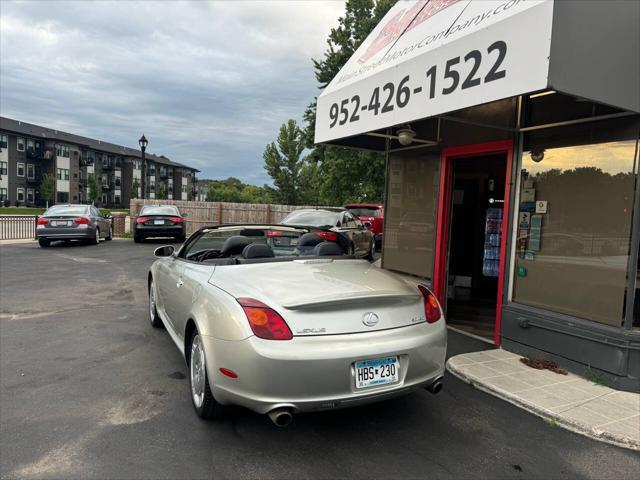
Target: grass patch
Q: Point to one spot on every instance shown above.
(21, 211)
(594, 376)
(551, 422)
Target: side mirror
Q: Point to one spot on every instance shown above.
(165, 251)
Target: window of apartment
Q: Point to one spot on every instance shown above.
(20, 169)
(30, 196)
(3, 194)
(411, 212)
(104, 198)
(30, 171)
(4, 141)
(116, 199)
(62, 150)
(136, 164)
(3, 168)
(21, 146)
(575, 216)
(30, 144)
(20, 194)
(62, 174)
(62, 197)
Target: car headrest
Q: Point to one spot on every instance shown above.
(309, 240)
(234, 245)
(257, 250)
(327, 249)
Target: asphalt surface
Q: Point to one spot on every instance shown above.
(89, 390)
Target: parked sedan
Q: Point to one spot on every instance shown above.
(73, 222)
(264, 326)
(372, 216)
(359, 239)
(159, 221)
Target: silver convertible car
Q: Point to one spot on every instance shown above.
(277, 319)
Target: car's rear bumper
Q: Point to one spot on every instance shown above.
(317, 372)
(160, 231)
(74, 233)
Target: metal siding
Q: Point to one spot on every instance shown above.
(595, 51)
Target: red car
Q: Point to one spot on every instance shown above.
(372, 215)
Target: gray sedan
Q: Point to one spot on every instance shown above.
(73, 222)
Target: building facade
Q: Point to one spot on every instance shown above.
(84, 170)
(512, 185)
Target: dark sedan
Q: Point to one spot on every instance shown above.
(73, 222)
(359, 239)
(159, 221)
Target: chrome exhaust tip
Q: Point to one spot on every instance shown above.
(436, 386)
(281, 417)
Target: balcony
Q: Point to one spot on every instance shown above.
(106, 186)
(35, 153)
(35, 180)
(86, 162)
(107, 166)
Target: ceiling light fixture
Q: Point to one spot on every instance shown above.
(406, 135)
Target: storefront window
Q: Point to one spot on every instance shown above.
(412, 198)
(574, 222)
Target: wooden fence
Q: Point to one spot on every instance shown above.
(200, 214)
(13, 227)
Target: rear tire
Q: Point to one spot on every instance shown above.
(43, 242)
(96, 239)
(204, 404)
(154, 318)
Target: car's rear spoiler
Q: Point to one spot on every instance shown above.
(334, 300)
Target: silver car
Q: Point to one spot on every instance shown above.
(270, 318)
(73, 222)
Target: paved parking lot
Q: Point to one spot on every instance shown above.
(88, 389)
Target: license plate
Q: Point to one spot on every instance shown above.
(381, 371)
(60, 223)
(158, 222)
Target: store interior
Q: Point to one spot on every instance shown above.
(474, 246)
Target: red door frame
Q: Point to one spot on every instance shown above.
(444, 217)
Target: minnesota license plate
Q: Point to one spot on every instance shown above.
(158, 222)
(381, 371)
(61, 223)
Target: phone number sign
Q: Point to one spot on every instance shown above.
(508, 59)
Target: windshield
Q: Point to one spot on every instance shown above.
(315, 218)
(365, 211)
(160, 210)
(273, 242)
(67, 210)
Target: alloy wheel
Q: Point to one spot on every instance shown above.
(197, 371)
(152, 303)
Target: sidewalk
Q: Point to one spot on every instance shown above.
(568, 401)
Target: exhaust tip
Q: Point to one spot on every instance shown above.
(436, 386)
(281, 417)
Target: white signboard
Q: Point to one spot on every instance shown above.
(428, 58)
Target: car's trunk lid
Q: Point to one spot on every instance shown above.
(326, 297)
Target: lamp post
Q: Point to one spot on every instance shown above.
(143, 174)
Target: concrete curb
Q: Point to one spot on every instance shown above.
(17, 241)
(559, 419)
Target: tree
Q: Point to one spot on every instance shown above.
(284, 163)
(134, 188)
(94, 186)
(343, 174)
(47, 187)
(233, 190)
(161, 193)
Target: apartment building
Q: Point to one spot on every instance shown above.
(28, 152)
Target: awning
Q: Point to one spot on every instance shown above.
(430, 57)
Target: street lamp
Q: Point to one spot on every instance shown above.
(143, 146)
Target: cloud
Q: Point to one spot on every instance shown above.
(209, 83)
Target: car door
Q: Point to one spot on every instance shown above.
(365, 236)
(169, 283)
(354, 233)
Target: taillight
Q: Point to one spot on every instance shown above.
(265, 322)
(175, 219)
(42, 221)
(327, 236)
(81, 221)
(274, 233)
(431, 305)
(142, 219)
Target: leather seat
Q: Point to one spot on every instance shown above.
(327, 249)
(307, 242)
(257, 250)
(234, 245)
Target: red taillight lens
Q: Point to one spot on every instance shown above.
(142, 219)
(274, 233)
(81, 221)
(265, 322)
(431, 305)
(328, 236)
(43, 221)
(175, 219)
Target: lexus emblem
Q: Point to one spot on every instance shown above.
(370, 319)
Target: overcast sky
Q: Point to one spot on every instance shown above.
(209, 83)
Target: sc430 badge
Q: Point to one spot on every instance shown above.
(311, 331)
